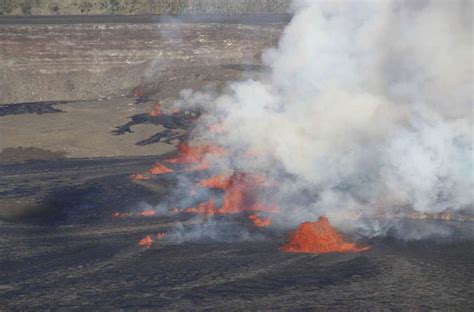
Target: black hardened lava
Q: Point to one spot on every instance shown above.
(78, 190)
(101, 265)
(167, 134)
(182, 120)
(30, 108)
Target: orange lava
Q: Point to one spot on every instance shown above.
(156, 110)
(240, 194)
(220, 182)
(146, 242)
(205, 208)
(159, 168)
(188, 154)
(146, 213)
(139, 176)
(260, 222)
(120, 214)
(318, 237)
(174, 210)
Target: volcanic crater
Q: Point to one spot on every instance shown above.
(88, 186)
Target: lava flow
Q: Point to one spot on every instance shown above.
(258, 221)
(188, 154)
(120, 214)
(240, 194)
(139, 176)
(146, 213)
(159, 168)
(146, 242)
(205, 208)
(318, 237)
(156, 110)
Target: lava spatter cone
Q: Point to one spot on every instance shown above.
(319, 237)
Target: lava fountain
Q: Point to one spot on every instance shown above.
(318, 237)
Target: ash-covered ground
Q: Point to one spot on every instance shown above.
(63, 173)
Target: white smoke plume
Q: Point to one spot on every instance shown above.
(367, 108)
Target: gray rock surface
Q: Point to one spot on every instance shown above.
(68, 7)
(90, 61)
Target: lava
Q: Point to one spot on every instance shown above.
(218, 182)
(159, 168)
(205, 208)
(318, 237)
(258, 221)
(188, 154)
(240, 194)
(146, 242)
(156, 110)
(146, 213)
(120, 214)
(139, 176)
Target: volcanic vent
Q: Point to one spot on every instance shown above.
(318, 237)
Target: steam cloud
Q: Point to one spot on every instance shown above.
(367, 110)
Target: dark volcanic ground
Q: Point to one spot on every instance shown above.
(73, 254)
(101, 266)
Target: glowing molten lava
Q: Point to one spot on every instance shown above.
(139, 176)
(159, 168)
(220, 182)
(240, 194)
(120, 215)
(318, 237)
(146, 242)
(146, 213)
(188, 154)
(156, 110)
(259, 222)
(205, 208)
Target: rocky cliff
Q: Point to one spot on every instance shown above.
(158, 7)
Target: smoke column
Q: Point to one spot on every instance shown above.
(366, 110)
